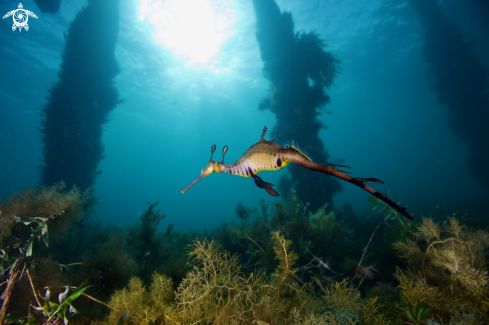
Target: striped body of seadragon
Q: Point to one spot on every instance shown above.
(267, 155)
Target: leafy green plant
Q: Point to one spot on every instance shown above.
(418, 314)
(9, 319)
(51, 310)
(389, 213)
(386, 210)
(17, 266)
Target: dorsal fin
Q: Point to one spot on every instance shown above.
(298, 151)
(282, 136)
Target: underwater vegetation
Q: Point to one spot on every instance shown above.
(461, 80)
(48, 241)
(80, 101)
(446, 269)
(329, 243)
(279, 263)
(450, 286)
(45, 202)
(299, 69)
(25, 219)
(252, 239)
(216, 291)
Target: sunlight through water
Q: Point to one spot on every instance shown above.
(192, 30)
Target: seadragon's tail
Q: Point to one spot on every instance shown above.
(358, 181)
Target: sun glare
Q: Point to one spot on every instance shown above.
(192, 30)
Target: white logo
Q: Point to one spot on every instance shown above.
(20, 17)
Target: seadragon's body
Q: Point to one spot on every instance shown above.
(267, 155)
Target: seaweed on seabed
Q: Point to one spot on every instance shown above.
(146, 242)
(316, 237)
(138, 305)
(447, 270)
(216, 291)
(26, 263)
(343, 305)
(43, 202)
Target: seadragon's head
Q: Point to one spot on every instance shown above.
(212, 166)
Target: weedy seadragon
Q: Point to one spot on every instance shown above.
(267, 155)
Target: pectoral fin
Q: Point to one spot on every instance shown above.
(267, 186)
(271, 191)
(260, 183)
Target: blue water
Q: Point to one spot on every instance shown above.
(383, 120)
